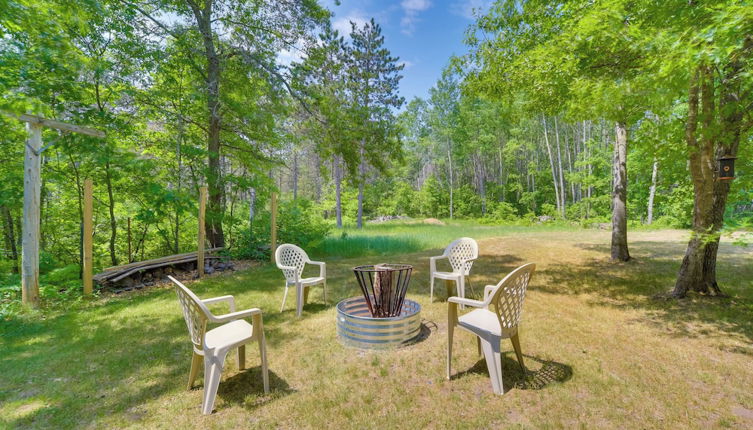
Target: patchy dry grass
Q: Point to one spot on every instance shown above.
(601, 352)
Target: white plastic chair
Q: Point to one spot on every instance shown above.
(492, 325)
(461, 253)
(212, 346)
(291, 260)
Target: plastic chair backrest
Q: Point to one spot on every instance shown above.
(459, 251)
(291, 256)
(509, 295)
(194, 312)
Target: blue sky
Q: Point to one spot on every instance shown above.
(422, 33)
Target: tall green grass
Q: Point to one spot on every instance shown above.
(404, 237)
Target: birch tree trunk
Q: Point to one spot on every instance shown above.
(652, 192)
(563, 192)
(551, 164)
(619, 194)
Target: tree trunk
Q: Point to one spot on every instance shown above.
(295, 175)
(452, 185)
(718, 137)
(213, 222)
(652, 192)
(563, 190)
(361, 182)
(619, 194)
(251, 208)
(10, 235)
(111, 208)
(551, 165)
(338, 193)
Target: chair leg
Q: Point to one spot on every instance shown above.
(478, 345)
(306, 294)
(493, 363)
(195, 365)
(212, 375)
(264, 367)
(516, 345)
(299, 299)
(450, 336)
(431, 288)
(241, 357)
(461, 289)
(285, 296)
(325, 291)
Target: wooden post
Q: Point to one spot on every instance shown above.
(30, 232)
(88, 233)
(130, 254)
(202, 231)
(273, 225)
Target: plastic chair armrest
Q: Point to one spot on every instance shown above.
(229, 299)
(433, 263)
(235, 315)
(488, 290)
(322, 267)
(467, 302)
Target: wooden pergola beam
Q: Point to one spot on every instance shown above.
(51, 123)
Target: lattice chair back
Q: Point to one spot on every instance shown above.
(291, 256)
(459, 251)
(194, 312)
(509, 295)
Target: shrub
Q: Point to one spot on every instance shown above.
(63, 275)
(500, 212)
(298, 222)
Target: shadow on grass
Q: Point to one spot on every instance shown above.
(246, 388)
(549, 372)
(427, 328)
(642, 282)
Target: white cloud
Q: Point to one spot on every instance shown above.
(466, 8)
(342, 25)
(407, 64)
(411, 10)
(292, 53)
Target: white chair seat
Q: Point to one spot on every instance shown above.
(233, 333)
(309, 281)
(447, 275)
(491, 326)
(481, 321)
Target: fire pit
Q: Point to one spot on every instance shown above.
(383, 317)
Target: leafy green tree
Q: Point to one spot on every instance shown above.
(374, 76)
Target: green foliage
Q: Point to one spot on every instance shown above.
(502, 212)
(298, 222)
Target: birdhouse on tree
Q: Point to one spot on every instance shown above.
(727, 168)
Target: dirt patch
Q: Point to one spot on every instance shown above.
(433, 221)
(743, 412)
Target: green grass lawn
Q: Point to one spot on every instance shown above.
(601, 352)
